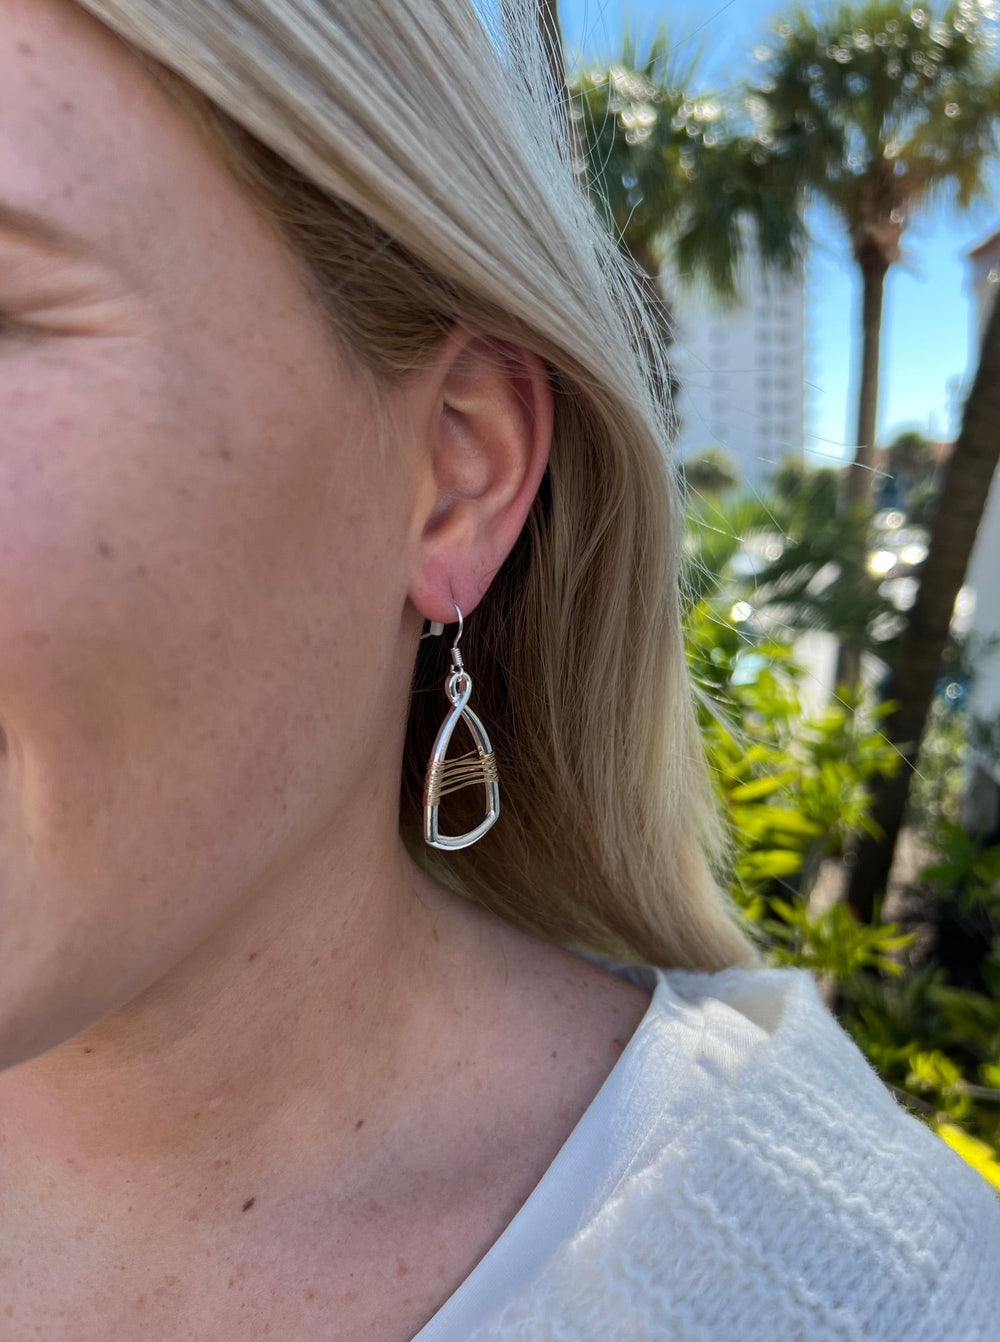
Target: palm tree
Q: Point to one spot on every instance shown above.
(820, 579)
(877, 108)
(673, 183)
(712, 472)
(966, 483)
(671, 177)
(810, 568)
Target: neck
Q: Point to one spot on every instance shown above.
(257, 1060)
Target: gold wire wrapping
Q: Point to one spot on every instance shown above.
(446, 776)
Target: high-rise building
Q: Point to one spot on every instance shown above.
(741, 370)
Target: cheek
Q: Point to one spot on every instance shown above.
(186, 556)
(109, 510)
(51, 531)
(153, 503)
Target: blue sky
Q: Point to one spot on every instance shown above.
(928, 326)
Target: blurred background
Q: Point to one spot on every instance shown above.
(808, 197)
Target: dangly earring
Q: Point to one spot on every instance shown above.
(476, 766)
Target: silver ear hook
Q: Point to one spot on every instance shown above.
(438, 628)
(459, 674)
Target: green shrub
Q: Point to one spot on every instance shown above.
(794, 788)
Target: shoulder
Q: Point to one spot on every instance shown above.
(805, 1139)
(774, 1188)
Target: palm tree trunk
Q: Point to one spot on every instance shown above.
(848, 672)
(549, 27)
(966, 484)
(857, 490)
(858, 481)
(550, 37)
(551, 33)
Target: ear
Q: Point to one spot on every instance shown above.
(486, 419)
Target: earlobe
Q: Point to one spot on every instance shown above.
(488, 439)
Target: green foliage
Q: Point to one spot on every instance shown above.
(965, 870)
(936, 1044)
(821, 578)
(715, 539)
(803, 492)
(812, 570)
(710, 472)
(795, 786)
(834, 942)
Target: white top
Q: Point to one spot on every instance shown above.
(743, 1175)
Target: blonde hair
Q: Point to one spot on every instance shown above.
(415, 156)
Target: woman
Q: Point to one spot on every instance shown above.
(308, 339)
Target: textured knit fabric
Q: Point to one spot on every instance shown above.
(742, 1176)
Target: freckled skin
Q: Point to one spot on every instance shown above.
(167, 530)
